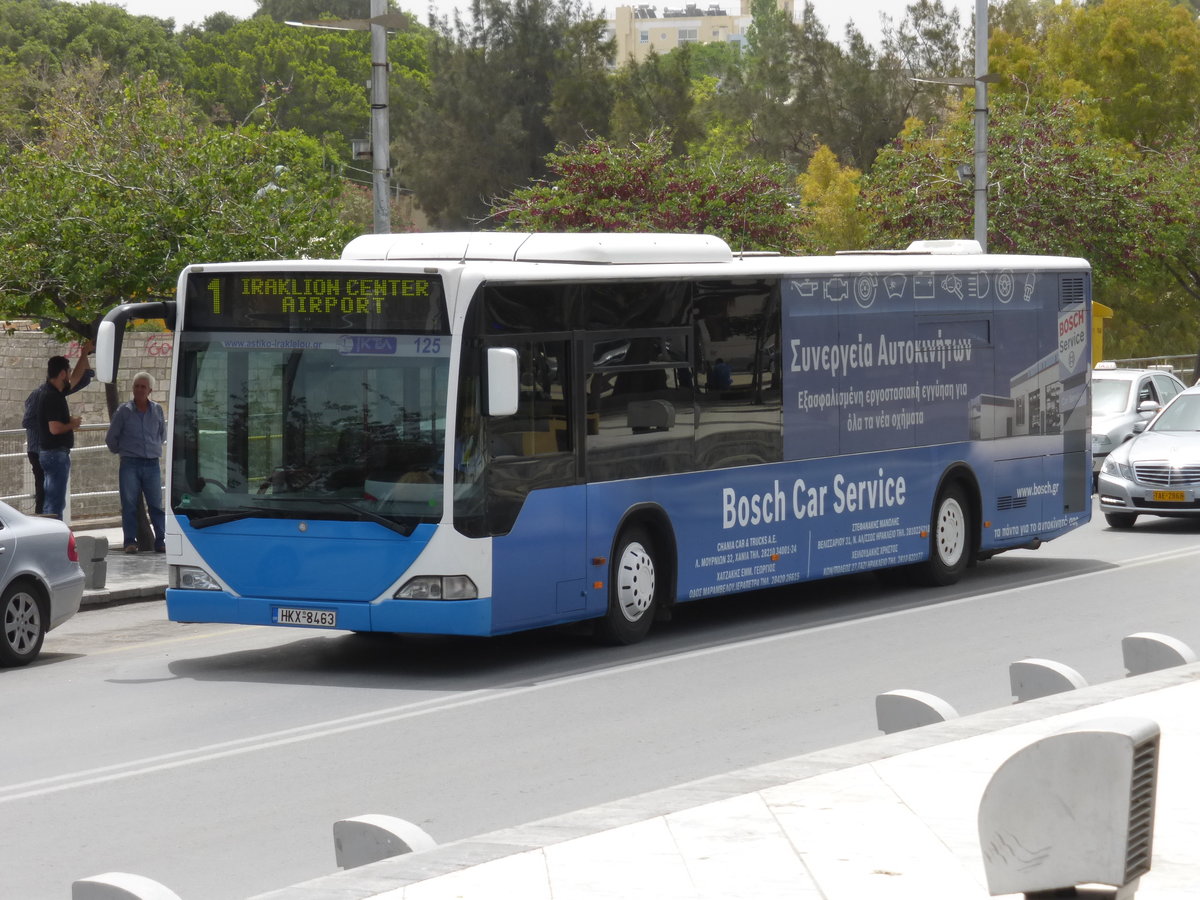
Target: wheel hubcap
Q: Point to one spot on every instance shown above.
(22, 623)
(951, 532)
(635, 582)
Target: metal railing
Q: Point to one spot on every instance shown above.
(94, 495)
(1181, 366)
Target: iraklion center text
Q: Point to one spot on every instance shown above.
(804, 501)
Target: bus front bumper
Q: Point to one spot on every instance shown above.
(465, 617)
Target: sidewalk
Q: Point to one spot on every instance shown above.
(130, 576)
(890, 818)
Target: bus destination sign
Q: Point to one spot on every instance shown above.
(315, 302)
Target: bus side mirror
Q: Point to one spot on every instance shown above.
(108, 340)
(504, 381)
(111, 333)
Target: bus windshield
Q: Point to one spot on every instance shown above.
(310, 425)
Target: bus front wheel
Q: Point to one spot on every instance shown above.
(949, 538)
(632, 589)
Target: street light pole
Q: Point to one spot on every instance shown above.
(380, 148)
(981, 127)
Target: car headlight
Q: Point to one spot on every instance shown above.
(1117, 469)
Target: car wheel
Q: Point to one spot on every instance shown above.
(632, 589)
(22, 625)
(1120, 520)
(949, 539)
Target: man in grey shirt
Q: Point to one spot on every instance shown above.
(137, 433)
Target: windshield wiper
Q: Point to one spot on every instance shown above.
(208, 518)
(199, 519)
(398, 527)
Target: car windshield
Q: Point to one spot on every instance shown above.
(1183, 414)
(1110, 396)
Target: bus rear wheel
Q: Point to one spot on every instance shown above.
(949, 539)
(632, 589)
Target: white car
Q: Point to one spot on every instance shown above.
(41, 583)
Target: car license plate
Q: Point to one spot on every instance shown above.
(316, 618)
(1170, 496)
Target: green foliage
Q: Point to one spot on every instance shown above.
(798, 90)
(45, 35)
(314, 10)
(1057, 187)
(642, 187)
(657, 94)
(125, 185)
(1139, 58)
(830, 194)
(490, 114)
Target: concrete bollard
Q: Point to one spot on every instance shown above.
(1148, 652)
(1033, 678)
(370, 838)
(904, 709)
(120, 886)
(92, 552)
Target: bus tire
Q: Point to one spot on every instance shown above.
(1120, 520)
(949, 538)
(633, 589)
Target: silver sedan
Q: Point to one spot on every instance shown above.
(41, 583)
(1158, 472)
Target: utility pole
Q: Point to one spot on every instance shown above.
(378, 23)
(981, 123)
(381, 169)
(978, 173)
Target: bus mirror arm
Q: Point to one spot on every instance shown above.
(503, 381)
(111, 333)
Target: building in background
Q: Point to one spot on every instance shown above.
(640, 29)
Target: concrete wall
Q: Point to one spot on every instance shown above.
(93, 471)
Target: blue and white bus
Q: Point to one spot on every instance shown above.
(479, 433)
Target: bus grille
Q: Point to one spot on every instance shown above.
(1010, 502)
(1168, 476)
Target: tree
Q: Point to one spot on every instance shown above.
(309, 78)
(1057, 187)
(1139, 58)
(798, 90)
(487, 119)
(657, 94)
(599, 186)
(125, 185)
(830, 194)
(312, 10)
(46, 35)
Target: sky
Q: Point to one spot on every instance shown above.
(833, 13)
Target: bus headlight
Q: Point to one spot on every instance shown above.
(191, 578)
(438, 587)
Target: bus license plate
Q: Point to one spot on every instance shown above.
(1170, 496)
(316, 618)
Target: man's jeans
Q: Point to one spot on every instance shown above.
(56, 467)
(141, 476)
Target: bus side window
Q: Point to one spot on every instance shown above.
(541, 424)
